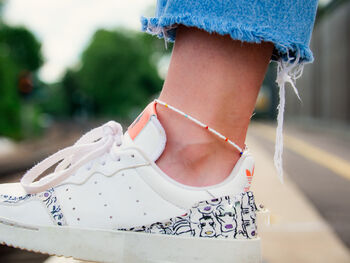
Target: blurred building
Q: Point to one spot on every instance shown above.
(324, 86)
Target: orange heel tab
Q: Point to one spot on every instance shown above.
(140, 122)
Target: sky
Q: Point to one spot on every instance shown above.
(65, 27)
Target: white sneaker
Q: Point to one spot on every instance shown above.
(108, 201)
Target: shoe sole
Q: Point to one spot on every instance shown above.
(123, 246)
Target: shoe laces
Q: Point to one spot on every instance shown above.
(93, 144)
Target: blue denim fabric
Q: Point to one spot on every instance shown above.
(286, 23)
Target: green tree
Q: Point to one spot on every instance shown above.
(9, 99)
(19, 57)
(21, 46)
(118, 73)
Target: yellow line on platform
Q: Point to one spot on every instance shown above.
(334, 163)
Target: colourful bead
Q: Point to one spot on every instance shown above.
(206, 127)
(226, 139)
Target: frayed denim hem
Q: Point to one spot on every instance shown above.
(165, 27)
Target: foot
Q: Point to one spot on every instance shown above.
(107, 190)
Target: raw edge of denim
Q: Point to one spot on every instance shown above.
(166, 26)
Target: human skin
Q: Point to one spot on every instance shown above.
(216, 80)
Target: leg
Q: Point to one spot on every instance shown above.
(216, 80)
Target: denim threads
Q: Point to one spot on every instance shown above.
(288, 24)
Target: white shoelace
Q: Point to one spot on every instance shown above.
(93, 144)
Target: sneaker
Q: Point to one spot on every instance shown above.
(108, 201)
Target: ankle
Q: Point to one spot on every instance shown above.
(197, 164)
(192, 155)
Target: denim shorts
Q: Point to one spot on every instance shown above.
(287, 24)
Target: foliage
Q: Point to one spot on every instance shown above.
(118, 74)
(19, 57)
(21, 46)
(9, 99)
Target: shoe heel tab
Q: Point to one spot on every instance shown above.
(141, 121)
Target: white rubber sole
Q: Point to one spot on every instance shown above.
(122, 246)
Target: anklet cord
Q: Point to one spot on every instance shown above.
(200, 124)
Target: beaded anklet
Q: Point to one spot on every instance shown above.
(202, 125)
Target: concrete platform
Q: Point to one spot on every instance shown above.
(297, 232)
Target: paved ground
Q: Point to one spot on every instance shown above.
(310, 213)
(319, 164)
(298, 232)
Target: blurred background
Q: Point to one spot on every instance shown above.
(67, 66)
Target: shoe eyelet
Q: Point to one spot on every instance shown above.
(133, 156)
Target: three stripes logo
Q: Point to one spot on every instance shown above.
(249, 178)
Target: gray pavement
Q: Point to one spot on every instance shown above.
(328, 191)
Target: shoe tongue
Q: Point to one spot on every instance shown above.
(147, 133)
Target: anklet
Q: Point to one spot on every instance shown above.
(202, 125)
